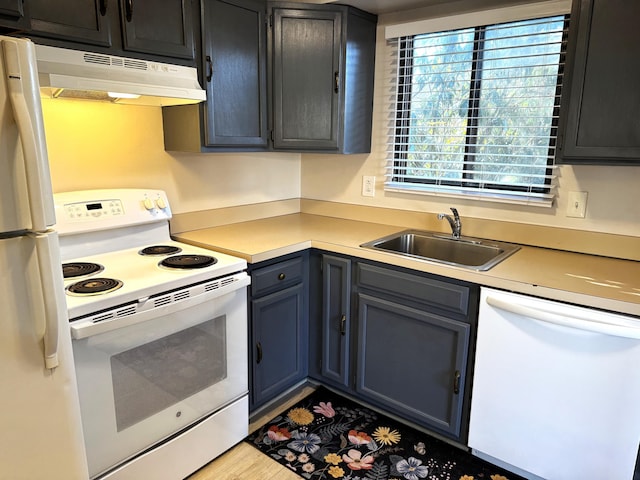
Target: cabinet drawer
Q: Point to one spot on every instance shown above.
(276, 276)
(444, 295)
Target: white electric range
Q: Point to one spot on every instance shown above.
(159, 334)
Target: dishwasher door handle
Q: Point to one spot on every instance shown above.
(565, 320)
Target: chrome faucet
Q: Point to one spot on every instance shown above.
(454, 221)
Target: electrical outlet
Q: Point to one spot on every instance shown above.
(368, 186)
(577, 204)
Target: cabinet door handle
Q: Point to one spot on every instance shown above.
(103, 7)
(281, 276)
(456, 382)
(129, 10)
(258, 352)
(343, 325)
(209, 68)
(336, 77)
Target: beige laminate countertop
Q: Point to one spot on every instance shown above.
(589, 280)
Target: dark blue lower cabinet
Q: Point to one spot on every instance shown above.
(394, 338)
(336, 320)
(278, 328)
(412, 362)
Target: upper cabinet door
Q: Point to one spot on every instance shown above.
(322, 72)
(84, 21)
(158, 27)
(12, 15)
(306, 78)
(600, 116)
(235, 65)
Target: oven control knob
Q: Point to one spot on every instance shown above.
(160, 203)
(148, 204)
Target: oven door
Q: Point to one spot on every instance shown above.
(143, 379)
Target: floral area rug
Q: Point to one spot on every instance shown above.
(327, 437)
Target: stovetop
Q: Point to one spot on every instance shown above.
(110, 228)
(142, 276)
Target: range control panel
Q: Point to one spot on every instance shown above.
(91, 210)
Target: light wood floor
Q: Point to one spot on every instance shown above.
(244, 462)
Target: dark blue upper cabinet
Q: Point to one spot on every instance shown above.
(235, 67)
(87, 22)
(13, 16)
(161, 30)
(322, 77)
(158, 27)
(599, 115)
(280, 76)
(306, 65)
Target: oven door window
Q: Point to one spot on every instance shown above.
(152, 377)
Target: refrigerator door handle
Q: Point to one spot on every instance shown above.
(31, 131)
(52, 288)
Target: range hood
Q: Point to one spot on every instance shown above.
(65, 73)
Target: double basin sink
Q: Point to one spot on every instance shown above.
(465, 252)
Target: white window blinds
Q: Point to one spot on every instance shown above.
(474, 111)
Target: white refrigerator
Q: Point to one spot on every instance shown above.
(40, 429)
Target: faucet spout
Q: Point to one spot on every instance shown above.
(454, 222)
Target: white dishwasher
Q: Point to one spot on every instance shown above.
(556, 389)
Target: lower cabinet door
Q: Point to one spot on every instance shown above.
(279, 351)
(336, 319)
(412, 362)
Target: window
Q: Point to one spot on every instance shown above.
(476, 109)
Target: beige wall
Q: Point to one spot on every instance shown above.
(99, 145)
(613, 204)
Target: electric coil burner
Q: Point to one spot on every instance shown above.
(157, 250)
(94, 286)
(187, 262)
(80, 269)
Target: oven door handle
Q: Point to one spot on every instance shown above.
(86, 328)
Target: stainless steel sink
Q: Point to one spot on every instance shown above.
(465, 252)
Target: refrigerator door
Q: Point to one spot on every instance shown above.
(39, 408)
(25, 183)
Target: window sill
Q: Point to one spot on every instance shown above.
(484, 196)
